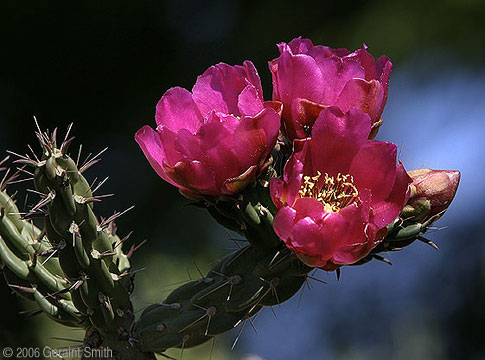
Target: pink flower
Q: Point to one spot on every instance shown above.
(308, 78)
(215, 140)
(438, 187)
(339, 191)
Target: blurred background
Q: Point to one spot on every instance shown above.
(104, 64)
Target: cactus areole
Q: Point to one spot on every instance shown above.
(296, 176)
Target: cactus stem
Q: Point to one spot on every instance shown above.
(202, 317)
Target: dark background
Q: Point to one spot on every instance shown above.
(103, 65)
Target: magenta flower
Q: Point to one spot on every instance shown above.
(215, 140)
(308, 78)
(339, 191)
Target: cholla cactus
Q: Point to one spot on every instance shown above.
(325, 197)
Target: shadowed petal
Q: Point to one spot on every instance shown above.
(365, 95)
(193, 175)
(374, 168)
(149, 142)
(283, 222)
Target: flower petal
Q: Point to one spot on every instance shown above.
(149, 142)
(168, 141)
(304, 113)
(374, 168)
(318, 239)
(278, 192)
(193, 175)
(218, 89)
(365, 95)
(283, 222)
(336, 73)
(177, 110)
(299, 77)
(309, 207)
(249, 102)
(237, 184)
(253, 77)
(336, 138)
(387, 210)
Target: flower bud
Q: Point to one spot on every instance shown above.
(431, 192)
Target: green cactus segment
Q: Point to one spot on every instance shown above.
(27, 267)
(235, 289)
(87, 255)
(75, 269)
(251, 215)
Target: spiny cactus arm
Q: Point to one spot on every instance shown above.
(26, 265)
(75, 268)
(84, 246)
(89, 250)
(263, 273)
(235, 289)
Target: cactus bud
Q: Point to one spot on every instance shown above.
(431, 192)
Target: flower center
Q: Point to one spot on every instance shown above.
(334, 192)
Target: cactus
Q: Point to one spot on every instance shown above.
(75, 270)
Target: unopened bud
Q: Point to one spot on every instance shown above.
(417, 209)
(432, 191)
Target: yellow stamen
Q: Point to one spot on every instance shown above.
(333, 192)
